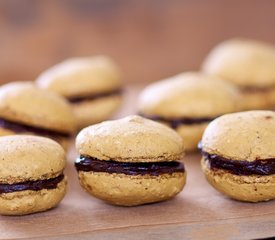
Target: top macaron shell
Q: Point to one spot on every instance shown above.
(243, 62)
(24, 103)
(131, 139)
(81, 76)
(242, 136)
(28, 158)
(189, 94)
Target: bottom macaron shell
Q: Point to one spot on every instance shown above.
(94, 111)
(6, 132)
(191, 134)
(272, 98)
(26, 202)
(128, 190)
(243, 188)
(63, 141)
(257, 100)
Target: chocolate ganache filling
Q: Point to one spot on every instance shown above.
(176, 122)
(31, 185)
(77, 99)
(88, 164)
(23, 128)
(255, 89)
(240, 167)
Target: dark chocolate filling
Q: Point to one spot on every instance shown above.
(253, 89)
(77, 99)
(23, 128)
(88, 164)
(176, 122)
(240, 167)
(31, 185)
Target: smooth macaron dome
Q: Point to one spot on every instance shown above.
(91, 84)
(130, 161)
(188, 102)
(31, 174)
(239, 155)
(26, 109)
(249, 64)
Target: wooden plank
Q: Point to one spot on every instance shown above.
(199, 212)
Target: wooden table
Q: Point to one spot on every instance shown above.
(198, 212)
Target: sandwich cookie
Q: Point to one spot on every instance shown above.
(25, 109)
(249, 65)
(131, 161)
(188, 102)
(92, 85)
(31, 174)
(239, 155)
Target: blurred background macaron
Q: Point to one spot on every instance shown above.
(249, 64)
(26, 109)
(31, 174)
(188, 102)
(91, 84)
(131, 161)
(239, 155)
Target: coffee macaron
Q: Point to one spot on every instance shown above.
(131, 161)
(188, 102)
(239, 155)
(26, 109)
(249, 64)
(91, 84)
(31, 174)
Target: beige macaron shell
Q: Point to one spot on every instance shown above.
(271, 97)
(7, 132)
(191, 134)
(257, 99)
(252, 188)
(94, 111)
(127, 190)
(243, 62)
(81, 76)
(63, 141)
(24, 103)
(26, 202)
(27, 158)
(189, 94)
(242, 136)
(130, 139)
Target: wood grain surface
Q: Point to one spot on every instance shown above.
(198, 212)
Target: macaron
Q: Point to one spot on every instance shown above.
(91, 84)
(239, 155)
(26, 109)
(31, 174)
(131, 161)
(188, 102)
(249, 64)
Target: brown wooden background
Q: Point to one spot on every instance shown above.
(150, 39)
